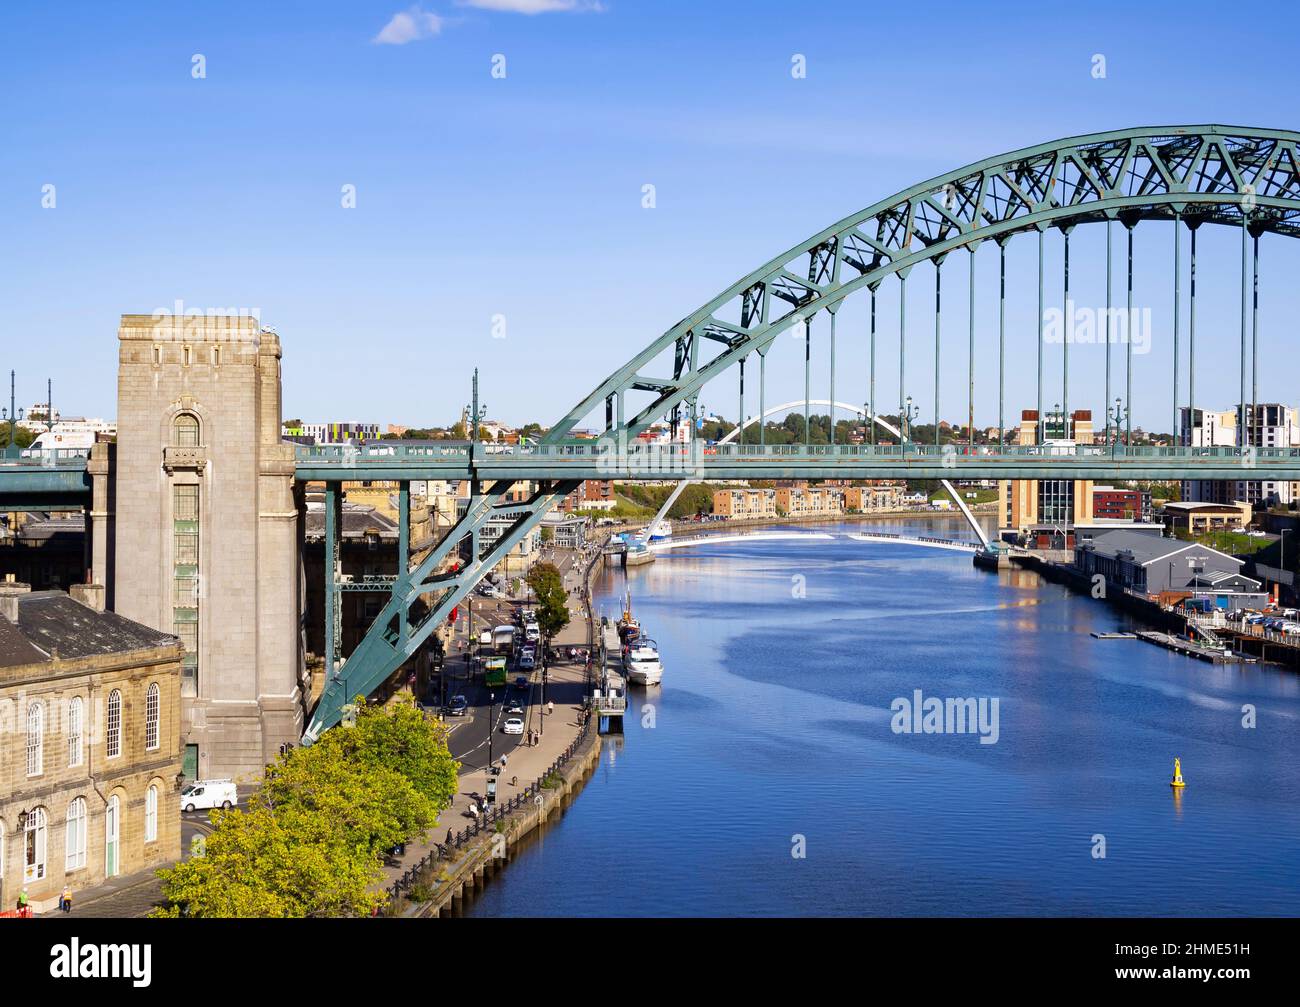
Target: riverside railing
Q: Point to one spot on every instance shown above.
(487, 821)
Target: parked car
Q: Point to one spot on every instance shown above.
(458, 706)
(513, 726)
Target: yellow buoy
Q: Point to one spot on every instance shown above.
(1177, 781)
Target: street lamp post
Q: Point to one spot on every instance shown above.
(475, 411)
(1117, 414)
(910, 413)
(12, 414)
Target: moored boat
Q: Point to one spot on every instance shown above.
(641, 662)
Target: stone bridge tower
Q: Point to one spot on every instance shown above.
(206, 529)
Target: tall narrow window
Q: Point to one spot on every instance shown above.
(151, 717)
(185, 503)
(186, 431)
(75, 835)
(76, 714)
(113, 731)
(185, 576)
(151, 814)
(111, 826)
(35, 739)
(34, 845)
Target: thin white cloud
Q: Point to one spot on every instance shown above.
(409, 26)
(535, 6)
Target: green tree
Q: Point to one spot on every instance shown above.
(22, 436)
(552, 599)
(312, 840)
(260, 864)
(401, 738)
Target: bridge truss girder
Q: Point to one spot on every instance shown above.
(407, 620)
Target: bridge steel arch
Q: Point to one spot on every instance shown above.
(1236, 176)
(1201, 174)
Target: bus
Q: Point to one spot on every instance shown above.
(494, 672)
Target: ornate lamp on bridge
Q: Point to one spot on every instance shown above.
(11, 414)
(475, 412)
(1117, 413)
(910, 413)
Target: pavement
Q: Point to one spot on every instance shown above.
(525, 762)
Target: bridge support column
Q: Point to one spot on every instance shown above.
(333, 530)
(403, 547)
(99, 520)
(872, 407)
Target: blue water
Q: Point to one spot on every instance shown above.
(774, 722)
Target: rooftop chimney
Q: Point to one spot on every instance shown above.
(10, 591)
(90, 595)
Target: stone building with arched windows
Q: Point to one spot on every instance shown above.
(90, 753)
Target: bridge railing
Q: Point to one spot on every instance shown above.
(686, 453)
(49, 457)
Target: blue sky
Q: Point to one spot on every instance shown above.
(522, 196)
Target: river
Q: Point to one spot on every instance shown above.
(771, 736)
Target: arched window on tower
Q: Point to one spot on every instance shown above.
(185, 431)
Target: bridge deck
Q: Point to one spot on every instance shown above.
(44, 480)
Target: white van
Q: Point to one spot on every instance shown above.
(209, 794)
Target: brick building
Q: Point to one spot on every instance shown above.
(743, 502)
(593, 494)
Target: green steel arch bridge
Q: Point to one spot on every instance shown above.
(1235, 177)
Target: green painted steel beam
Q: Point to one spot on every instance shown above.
(385, 647)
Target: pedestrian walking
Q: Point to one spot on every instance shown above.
(22, 900)
(65, 900)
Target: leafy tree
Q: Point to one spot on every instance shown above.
(552, 599)
(336, 788)
(258, 864)
(22, 436)
(401, 738)
(311, 842)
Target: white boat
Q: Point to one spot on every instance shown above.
(662, 532)
(642, 662)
